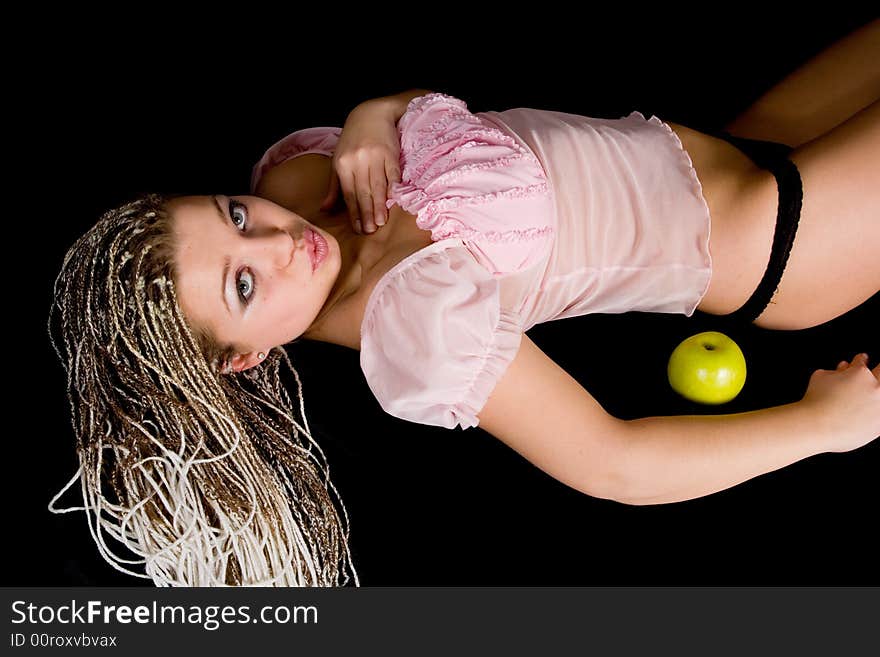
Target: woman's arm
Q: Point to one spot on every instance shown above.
(544, 414)
(681, 457)
(396, 104)
(366, 159)
(821, 94)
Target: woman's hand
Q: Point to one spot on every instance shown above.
(847, 400)
(365, 163)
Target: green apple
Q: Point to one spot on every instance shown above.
(708, 368)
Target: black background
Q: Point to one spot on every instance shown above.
(104, 116)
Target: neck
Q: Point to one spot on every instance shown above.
(358, 254)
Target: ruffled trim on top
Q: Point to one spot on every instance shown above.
(439, 154)
(489, 370)
(320, 140)
(430, 211)
(419, 104)
(461, 124)
(456, 228)
(458, 172)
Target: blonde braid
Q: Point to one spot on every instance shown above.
(208, 477)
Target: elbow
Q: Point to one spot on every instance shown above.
(614, 480)
(615, 490)
(613, 493)
(609, 483)
(593, 464)
(619, 493)
(635, 476)
(634, 501)
(626, 490)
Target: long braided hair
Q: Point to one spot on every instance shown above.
(205, 476)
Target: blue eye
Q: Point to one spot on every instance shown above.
(245, 285)
(244, 282)
(238, 218)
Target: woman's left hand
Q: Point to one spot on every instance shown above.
(365, 163)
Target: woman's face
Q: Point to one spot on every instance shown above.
(245, 270)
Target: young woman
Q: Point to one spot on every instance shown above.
(171, 308)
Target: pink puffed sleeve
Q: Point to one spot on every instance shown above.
(321, 140)
(435, 339)
(463, 176)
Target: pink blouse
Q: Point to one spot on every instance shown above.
(534, 215)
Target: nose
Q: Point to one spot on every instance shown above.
(280, 246)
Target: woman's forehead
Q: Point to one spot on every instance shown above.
(190, 203)
(191, 213)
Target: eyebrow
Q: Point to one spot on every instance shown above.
(226, 260)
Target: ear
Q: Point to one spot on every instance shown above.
(241, 362)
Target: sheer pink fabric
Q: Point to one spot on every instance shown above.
(535, 215)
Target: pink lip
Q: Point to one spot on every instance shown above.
(314, 240)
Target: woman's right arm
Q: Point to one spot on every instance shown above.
(544, 414)
(366, 160)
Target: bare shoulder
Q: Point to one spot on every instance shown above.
(299, 184)
(542, 412)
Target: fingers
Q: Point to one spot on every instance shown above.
(378, 185)
(371, 192)
(365, 203)
(392, 172)
(346, 181)
(359, 199)
(862, 359)
(365, 193)
(858, 359)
